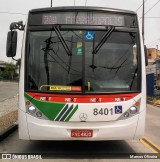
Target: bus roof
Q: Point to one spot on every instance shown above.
(82, 8)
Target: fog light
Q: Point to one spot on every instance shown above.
(126, 114)
(133, 110)
(32, 109)
(39, 114)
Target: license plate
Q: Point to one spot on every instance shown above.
(81, 133)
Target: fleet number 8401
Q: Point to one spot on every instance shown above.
(102, 111)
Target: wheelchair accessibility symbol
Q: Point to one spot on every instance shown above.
(118, 109)
(89, 35)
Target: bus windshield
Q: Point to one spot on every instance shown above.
(112, 68)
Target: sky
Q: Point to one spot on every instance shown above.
(8, 8)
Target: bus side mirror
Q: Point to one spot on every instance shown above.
(146, 55)
(11, 44)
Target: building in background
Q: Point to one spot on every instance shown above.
(153, 53)
(153, 70)
(9, 71)
(2, 65)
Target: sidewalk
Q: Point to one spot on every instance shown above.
(8, 90)
(8, 113)
(153, 101)
(8, 105)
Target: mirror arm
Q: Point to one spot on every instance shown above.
(17, 25)
(14, 59)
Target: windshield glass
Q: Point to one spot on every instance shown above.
(113, 68)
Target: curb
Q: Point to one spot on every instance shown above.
(150, 102)
(153, 104)
(8, 131)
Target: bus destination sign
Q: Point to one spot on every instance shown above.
(83, 19)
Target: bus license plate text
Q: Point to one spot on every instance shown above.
(81, 133)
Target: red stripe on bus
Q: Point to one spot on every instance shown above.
(82, 98)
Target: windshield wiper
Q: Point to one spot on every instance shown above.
(46, 52)
(100, 44)
(93, 66)
(58, 32)
(103, 40)
(70, 58)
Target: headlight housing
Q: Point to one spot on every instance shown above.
(34, 111)
(31, 109)
(133, 110)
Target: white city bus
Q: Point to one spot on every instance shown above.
(82, 74)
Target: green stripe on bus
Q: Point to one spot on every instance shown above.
(72, 113)
(49, 109)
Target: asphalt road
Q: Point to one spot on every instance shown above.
(87, 150)
(152, 130)
(73, 149)
(8, 90)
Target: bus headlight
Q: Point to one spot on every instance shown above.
(130, 112)
(39, 114)
(133, 110)
(126, 114)
(32, 109)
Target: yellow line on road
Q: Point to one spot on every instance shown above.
(150, 145)
(155, 145)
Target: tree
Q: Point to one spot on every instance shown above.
(1, 73)
(10, 71)
(18, 64)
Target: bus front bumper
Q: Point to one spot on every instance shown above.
(31, 128)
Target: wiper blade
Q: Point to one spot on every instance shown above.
(46, 52)
(58, 32)
(105, 37)
(70, 58)
(99, 45)
(93, 65)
